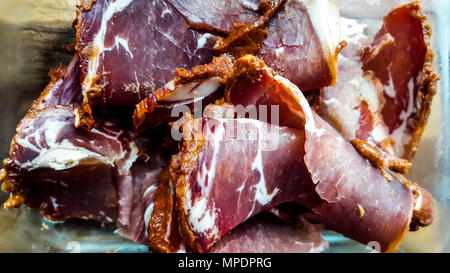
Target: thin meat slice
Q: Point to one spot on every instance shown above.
(401, 57)
(215, 193)
(299, 39)
(375, 209)
(145, 172)
(122, 62)
(52, 162)
(163, 222)
(264, 234)
(128, 49)
(384, 89)
(360, 200)
(353, 105)
(67, 172)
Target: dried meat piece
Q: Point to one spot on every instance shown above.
(128, 49)
(405, 68)
(215, 193)
(346, 182)
(52, 162)
(49, 158)
(172, 101)
(64, 87)
(303, 43)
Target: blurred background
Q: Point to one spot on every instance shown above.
(33, 33)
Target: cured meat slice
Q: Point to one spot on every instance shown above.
(303, 43)
(190, 91)
(52, 165)
(375, 209)
(263, 234)
(48, 148)
(384, 90)
(302, 36)
(346, 182)
(128, 49)
(118, 68)
(404, 67)
(215, 194)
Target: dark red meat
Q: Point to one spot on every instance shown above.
(128, 49)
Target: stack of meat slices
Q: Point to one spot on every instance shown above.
(256, 125)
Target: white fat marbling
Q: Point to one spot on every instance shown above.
(201, 219)
(65, 156)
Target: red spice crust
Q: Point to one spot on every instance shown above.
(248, 38)
(162, 214)
(428, 87)
(193, 144)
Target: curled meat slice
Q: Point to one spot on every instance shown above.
(353, 105)
(50, 158)
(378, 205)
(384, 90)
(52, 163)
(401, 57)
(120, 69)
(263, 233)
(215, 193)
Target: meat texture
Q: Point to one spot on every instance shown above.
(47, 143)
(405, 69)
(215, 194)
(52, 163)
(344, 189)
(264, 233)
(122, 63)
(352, 105)
(209, 15)
(171, 101)
(62, 80)
(129, 48)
